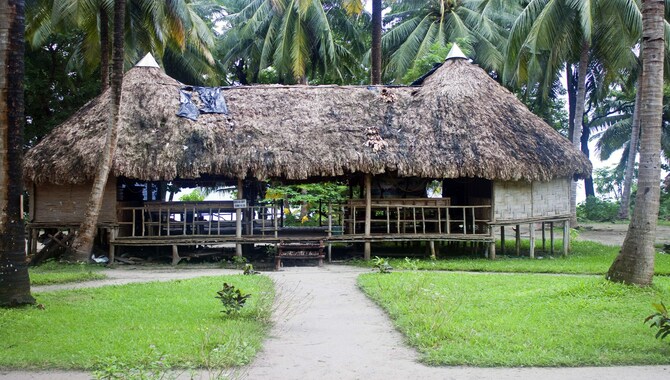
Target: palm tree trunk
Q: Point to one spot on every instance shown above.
(376, 48)
(14, 280)
(104, 49)
(632, 153)
(589, 190)
(635, 262)
(576, 137)
(83, 243)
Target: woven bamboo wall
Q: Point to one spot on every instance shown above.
(66, 204)
(519, 200)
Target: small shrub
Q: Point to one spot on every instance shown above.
(231, 298)
(597, 210)
(239, 261)
(381, 265)
(660, 319)
(411, 264)
(249, 270)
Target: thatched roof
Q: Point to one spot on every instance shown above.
(458, 123)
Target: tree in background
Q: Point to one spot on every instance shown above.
(301, 40)
(635, 262)
(14, 280)
(83, 242)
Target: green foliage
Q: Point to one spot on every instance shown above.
(249, 270)
(660, 319)
(519, 320)
(411, 264)
(381, 265)
(308, 197)
(609, 182)
(152, 365)
(232, 298)
(435, 54)
(196, 195)
(597, 210)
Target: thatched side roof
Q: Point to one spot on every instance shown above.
(459, 123)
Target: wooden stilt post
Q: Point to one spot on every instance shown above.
(518, 240)
(175, 255)
(502, 239)
(492, 244)
(544, 239)
(551, 237)
(330, 231)
(368, 215)
(531, 252)
(433, 255)
(566, 237)
(238, 218)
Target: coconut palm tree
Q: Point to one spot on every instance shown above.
(296, 37)
(635, 262)
(480, 26)
(550, 35)
(14, 280)
(170, 29)
(83, 242)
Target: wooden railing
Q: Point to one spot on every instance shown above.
(196, 218)
(219, 218)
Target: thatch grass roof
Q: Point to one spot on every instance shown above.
(458, 123)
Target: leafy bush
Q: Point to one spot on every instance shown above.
(231, 298)
(249, 270)
(597, 210)
(194, 196)
(660, 319)
(382, 265)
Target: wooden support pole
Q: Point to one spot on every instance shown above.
(551, 237)
(238, 218)
(518, 240)
(502, 239)
(368, 214)
(175, 255)
(566, 237)
(492, 244)
(330, 231)
(531, 252)
(544, 239)
(433, 255)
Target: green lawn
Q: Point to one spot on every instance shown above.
(180, 320)
(482, 319)
(55, 273)
(585, 258)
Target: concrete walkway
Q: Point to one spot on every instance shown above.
(325, 328)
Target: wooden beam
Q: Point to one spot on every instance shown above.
(502, 239)
(238, 218)
(531, 252)
(368, 214)
(566, 237)
(518, 240)
(544, 239)
(551, 237)
(175, 255)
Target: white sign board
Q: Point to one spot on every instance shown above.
(240, 203)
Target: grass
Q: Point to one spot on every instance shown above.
(586, 257)
(180, 320)
(52, 273)
(479, 319)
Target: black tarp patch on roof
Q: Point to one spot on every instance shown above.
(210, 100)
(186, 107)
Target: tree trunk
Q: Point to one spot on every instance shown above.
(83, 243)
(14, 280)
(632, 153)
(376, 49)
(588, 182)
(578, 121)
(635, 262)
(572, 95)
(104, 49)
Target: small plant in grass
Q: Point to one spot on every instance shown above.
(381, 265)
(411, 264)
(239, 261)
(155, 365)
(231, 298)
(660, 319)
(249, 270)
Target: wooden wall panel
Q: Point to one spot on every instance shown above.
(66, 204)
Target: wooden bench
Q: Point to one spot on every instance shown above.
(299, 250)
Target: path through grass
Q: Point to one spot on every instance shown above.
(181, 320)
(52, 273)
(482, 319)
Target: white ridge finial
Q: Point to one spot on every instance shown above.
(147, 61)
(455, 53)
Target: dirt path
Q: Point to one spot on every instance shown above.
(613, 234)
